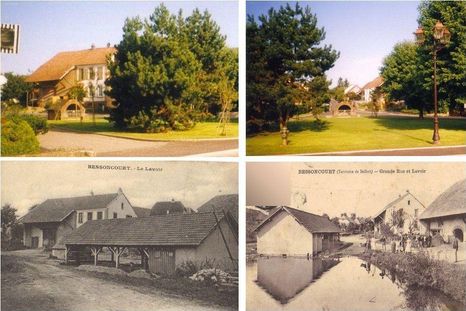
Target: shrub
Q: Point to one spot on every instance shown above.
(18, 138)
(38, 124)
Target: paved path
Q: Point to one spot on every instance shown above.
(105, 146)
(423, 151)
(44, 285)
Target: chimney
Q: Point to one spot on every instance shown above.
(120, 191)
(92, 46)
(173, 200)
(92, 192)
(108, 44)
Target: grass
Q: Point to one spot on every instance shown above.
(351, 134)
(202, 130)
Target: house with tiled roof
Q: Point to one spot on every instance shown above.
(369, 87)
(446, 215)
(166, 241)
(169, 207)
(53, 80)
(47, 223)
(292, 232)
(401, 215)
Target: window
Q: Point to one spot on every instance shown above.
(122, 206)
(89, 216)
(115, 215)
(80, 74)
(80, 218)
(99, 215)
(91, 74)
(409, 202)
(100, 91)
(415, 212)
(100, 73)
(129, 216)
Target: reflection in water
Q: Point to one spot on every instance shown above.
(283, 278)
(352, 284)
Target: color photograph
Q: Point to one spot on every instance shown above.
(368, 78)
(122, 79)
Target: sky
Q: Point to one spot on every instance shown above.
(361, 193)
(51, 27)
(24, 184)
(363, 31)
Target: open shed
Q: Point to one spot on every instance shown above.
(164, 242)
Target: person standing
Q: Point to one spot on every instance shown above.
(456, 246)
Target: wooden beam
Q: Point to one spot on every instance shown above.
(66, 254)
(95, 252)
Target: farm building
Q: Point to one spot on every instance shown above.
(54, 79)
(402, 215)
(47, 223)
(164, 241)
(446, 215)
(289, 231)
(219, 202)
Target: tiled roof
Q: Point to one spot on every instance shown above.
(57, 66)
(227, 202)
(313, 223)
(450, 202)
(373, 84)
(168, 207)
(141, 211)
(166, 230)
(55, 210)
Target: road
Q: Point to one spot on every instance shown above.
(105, 146)
(45, 285)
(422, 151)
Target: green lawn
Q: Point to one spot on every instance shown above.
(202, 130)
(347, 134)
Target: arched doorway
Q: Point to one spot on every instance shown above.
(458, 233)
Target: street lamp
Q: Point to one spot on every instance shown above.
(441, 36)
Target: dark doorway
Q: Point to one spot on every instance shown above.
(458, 233)
(35, 242)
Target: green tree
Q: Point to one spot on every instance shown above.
(166, 71)
(285, 52)
(77, 92)
(16, 87)
(8, 217)
(402, 78)
(451, 60)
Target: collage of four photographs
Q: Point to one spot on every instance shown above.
(233, 155)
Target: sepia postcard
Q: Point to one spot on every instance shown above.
(109, 235)
(357, 236)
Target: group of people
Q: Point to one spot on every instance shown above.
(403, 243)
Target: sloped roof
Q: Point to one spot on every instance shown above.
(394, 202)
(57, 66)
(166, 230)
(141, 211)
(313, 223)
(450, 202)
(220, 203)
(373, 84)
(168, 207)
(55, 210)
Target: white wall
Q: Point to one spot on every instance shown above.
(116, 207)
(409, 205)
(284, 235)
(36, 232)
(94, 215)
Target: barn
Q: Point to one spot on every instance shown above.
(293, 232)
(446, 215)
(164, 242)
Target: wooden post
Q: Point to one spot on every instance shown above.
(66, 254)
(117, 251)
(95, 252)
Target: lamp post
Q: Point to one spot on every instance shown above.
(441, 36)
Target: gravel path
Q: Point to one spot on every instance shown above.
(106, 146)
(66, 289)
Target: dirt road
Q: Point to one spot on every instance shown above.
(42, 284)
(105, 146)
